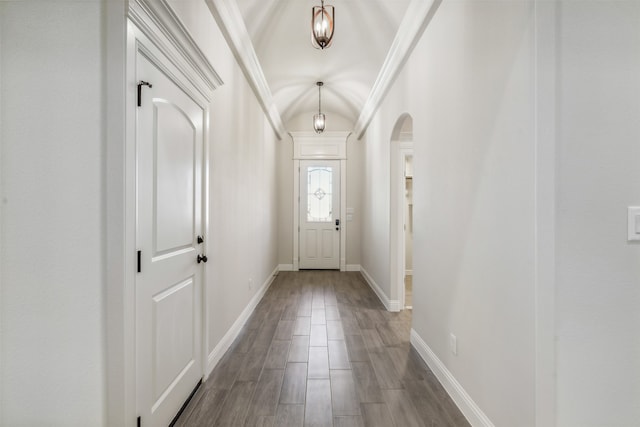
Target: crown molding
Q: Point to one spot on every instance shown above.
(229, 19)
(415, 21)
(157, 20)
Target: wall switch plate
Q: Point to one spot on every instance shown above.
(633, 223)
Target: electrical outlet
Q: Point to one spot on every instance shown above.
(453, 344)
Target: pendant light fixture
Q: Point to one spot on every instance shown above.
(322, 21)
(319, 119)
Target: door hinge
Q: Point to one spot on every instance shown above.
(139, 261)
(140, 84)
(139, 421)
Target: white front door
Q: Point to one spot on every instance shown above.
(319, 235)
(169, 219)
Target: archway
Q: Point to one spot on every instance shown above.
(401, 227)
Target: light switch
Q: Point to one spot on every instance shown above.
(633, 229)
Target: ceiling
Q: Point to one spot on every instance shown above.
(280, 33)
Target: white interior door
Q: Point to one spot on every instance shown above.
(169, 219)
(320, 226)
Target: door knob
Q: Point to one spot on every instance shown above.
(202, 258)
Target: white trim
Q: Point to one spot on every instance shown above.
(461, 398)
(229, 19)
(157, 20)
(296, 215)
(390, 305)
(328, 146)
(233, 332)
(285, 267)
(352, 267)
(408, 272)
(415, 21)
(152, 29)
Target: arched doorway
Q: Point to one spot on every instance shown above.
(401, 215)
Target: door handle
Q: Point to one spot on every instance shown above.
(202, 258)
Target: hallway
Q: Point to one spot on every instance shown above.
(320, 350)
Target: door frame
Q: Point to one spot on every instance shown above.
(326, 146)
(400, 146)
(403, 150)
(153, 26)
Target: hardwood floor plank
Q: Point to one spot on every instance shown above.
(234, 409)
(350, 326)
(278, 353)
(386, 374)
(332, 312)
(299, 351)
(302, 326)
(338, 356)
(203, 408)
(318, 316)
(266, 396)
(377, 415)
(334, 330)
(318, 363)
(294, 384)
(318, 337)
(372, 341)
(284, 331)
(225, 374)
(348, 421)
(289, 416)
(366, 382)
(344, 399)
(253, 363)
(317, 411)
(356, 348)
(402, 408)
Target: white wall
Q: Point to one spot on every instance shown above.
(52, 370)
(598, 271)
(242, 241)
(303, 122)
(376, 191)
(469, 88)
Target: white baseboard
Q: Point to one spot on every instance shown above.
(390, 305)
(353, 267)
(408, 272)
(285, 267)
(465, 403)
(234, 330)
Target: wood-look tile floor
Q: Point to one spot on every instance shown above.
(321, 350)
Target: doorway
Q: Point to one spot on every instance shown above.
(408, 232)
(401, 215)
(170, 239)
(319, 200)
(319, 214)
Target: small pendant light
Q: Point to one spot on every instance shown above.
(319, 119)
(322, 21)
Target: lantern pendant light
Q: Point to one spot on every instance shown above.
(319, 119)
(322, 22)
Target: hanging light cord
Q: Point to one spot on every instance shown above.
(319, 98)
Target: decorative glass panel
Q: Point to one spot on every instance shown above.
(319, 194)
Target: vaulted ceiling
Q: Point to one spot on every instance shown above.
(280, 33)
(272, 42)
